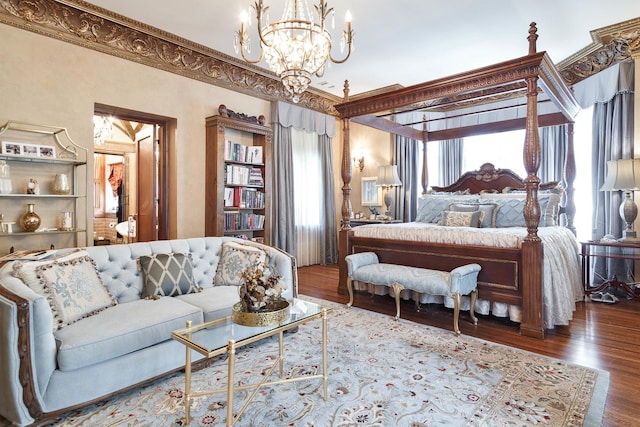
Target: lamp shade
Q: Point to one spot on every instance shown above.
(388, 176)
(622, 174)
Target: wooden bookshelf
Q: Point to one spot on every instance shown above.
(238, 176)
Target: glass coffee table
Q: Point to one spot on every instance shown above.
(223, 336)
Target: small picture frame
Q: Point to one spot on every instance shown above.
(371, 194)
(30, 150)
(47, 151)
(11, 148)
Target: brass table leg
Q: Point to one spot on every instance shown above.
(187, 382)
(231, 350)
(324, 352)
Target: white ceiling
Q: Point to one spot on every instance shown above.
(401, 41)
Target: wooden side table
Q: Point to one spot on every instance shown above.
(626, 251)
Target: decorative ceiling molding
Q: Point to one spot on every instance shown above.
(86, 25)
(611, 45)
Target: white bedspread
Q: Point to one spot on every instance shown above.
(562, 284)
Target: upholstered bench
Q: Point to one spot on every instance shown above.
(364, 267)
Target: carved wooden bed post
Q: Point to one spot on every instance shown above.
(343, 239)
(532, 323)
(569, 177)
(425, 168)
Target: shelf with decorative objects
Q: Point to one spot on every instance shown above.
(42, 204)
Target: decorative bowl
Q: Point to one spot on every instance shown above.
(266, 318)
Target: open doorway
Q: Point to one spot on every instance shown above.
(130, 176)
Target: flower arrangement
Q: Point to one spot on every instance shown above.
(261, 289)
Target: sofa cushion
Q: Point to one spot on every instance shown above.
(235, 258)
(215, 302)
(122, 329)
(70, 283)
(167, 275)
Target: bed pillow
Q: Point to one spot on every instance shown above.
(234, 259)
(430, 207)
(70, 283)
(167, 275)
(462, 219)
(511, 212)
(489, 210)
(550, 199)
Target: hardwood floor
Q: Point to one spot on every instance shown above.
(602, 336)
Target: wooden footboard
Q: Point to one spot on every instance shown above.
(502, 279)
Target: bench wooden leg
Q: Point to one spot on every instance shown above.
(472, 311)
(397, 288)
(456, 312)
(350, 289)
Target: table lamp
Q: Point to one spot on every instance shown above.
(387, 178)
(624, 175)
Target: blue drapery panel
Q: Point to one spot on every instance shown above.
(405, 156)
(450, 161)
(612, 139)
(284, 117)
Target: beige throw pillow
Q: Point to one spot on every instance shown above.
(234, 259)
(70, 283)
(462, 219)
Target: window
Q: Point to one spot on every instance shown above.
(308, 196)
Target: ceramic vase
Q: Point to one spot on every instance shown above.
(30, 221)
(61, 184)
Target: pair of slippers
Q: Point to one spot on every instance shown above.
(605, 297)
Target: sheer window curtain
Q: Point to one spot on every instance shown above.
(304, 223)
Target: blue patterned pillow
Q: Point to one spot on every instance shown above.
(511, 212)
(430, 207)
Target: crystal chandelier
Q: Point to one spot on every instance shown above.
(102, 129)
(296, 46)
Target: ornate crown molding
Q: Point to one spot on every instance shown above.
(611, 44)
(86, 25)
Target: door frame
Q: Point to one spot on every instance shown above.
(163, 124)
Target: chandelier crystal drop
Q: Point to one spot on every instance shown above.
(296, 47)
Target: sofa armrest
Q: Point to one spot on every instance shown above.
(355, 261)
(27, 350)
(284, 263)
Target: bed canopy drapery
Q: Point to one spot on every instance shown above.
(522, 93)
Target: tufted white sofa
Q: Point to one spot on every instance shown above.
(44, 373)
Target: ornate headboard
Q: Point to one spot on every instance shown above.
(492, 180)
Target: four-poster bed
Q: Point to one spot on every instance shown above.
(462, 105)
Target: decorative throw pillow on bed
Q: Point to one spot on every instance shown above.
(234, 259)
(430, 207)
(490, 209)
(168, 275)
(462, 219)
(70, 283)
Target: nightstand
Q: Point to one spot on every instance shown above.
(362, 221)
(621, 250)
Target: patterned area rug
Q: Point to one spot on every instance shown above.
(381, 373)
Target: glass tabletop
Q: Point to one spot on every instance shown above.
(212, 338)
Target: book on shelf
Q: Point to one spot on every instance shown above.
(228, 197)
(235, 152)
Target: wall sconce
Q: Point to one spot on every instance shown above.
(358, 160)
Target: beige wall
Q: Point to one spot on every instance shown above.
(56, 83)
